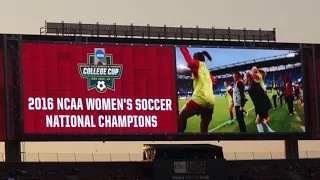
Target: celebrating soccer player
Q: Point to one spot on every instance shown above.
(301, 94)
(260, 100)
(281, 90)
(274, 93)
(297, 91)
(202, 100)
(239, 100)
(188, 96)
(261, 74)
(288, 92)
(280, 93)
(228, 95)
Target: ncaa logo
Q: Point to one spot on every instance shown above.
(99, 54)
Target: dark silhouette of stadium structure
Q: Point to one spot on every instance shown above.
(262, 62)
(182, 151)
(306, 169)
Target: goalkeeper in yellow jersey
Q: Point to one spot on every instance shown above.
(202, 100)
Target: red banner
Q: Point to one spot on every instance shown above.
(77, 88)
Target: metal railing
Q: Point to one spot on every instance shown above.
(160, 32)
(133, 157)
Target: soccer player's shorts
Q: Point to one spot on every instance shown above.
(204, 112)
(262, 113)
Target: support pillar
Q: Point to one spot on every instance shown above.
(292, 149)
(12, 151)
(13, 103)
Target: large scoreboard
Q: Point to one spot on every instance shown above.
(155, 91)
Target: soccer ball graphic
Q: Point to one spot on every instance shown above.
(101, 86)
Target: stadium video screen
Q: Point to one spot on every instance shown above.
(239, 90)
(98, 89)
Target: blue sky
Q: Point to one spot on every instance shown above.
(221, 56)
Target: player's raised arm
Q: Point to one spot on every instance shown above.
(190, 61)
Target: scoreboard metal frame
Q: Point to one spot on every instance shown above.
(14, 86)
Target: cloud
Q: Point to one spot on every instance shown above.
(182, 67)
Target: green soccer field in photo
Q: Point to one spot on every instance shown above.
(280, 120)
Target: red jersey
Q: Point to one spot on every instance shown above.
(202, 80)
(289, 88)
(288, 84)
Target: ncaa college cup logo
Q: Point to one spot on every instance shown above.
(100, 71)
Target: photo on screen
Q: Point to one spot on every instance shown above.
(239, 90)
